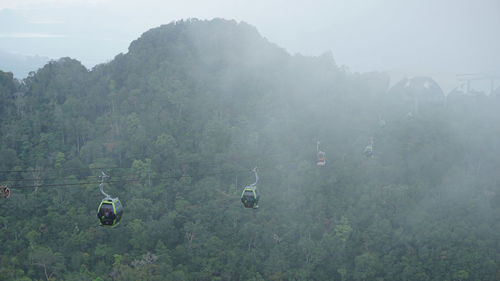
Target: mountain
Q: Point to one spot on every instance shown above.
(180, 121)
(21, 65)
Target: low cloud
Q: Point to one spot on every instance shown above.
(28, 4)
(45, 21)
(30, 35)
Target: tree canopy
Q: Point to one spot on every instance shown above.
(180, 120)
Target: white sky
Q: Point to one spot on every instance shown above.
(433, 37)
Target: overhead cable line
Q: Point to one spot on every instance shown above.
(118, 180)
(42, 179)
(126, 180)
(68, 184)
(62, 169)
(206, 163)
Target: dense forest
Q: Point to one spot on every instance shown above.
(179, 122)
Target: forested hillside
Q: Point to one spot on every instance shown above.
(180, 121)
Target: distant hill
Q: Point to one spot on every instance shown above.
(21, 65)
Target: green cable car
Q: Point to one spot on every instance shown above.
(110, 211)
(368, 152)
(249, 196)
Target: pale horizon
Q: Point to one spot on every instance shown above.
(441, 38)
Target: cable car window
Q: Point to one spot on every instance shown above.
(106, 209)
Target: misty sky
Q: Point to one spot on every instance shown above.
(430, 37)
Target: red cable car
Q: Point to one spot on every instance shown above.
(321, 156)
(321, 159)
(4, 192)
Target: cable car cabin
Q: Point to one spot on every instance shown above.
(110, 211)
(4, 192)
(321, 159)
(250, 198)
(321, 162)
(368, 152)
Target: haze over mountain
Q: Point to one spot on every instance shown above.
(404, 38)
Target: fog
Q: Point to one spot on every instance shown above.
(183, 110)
(404, 38)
